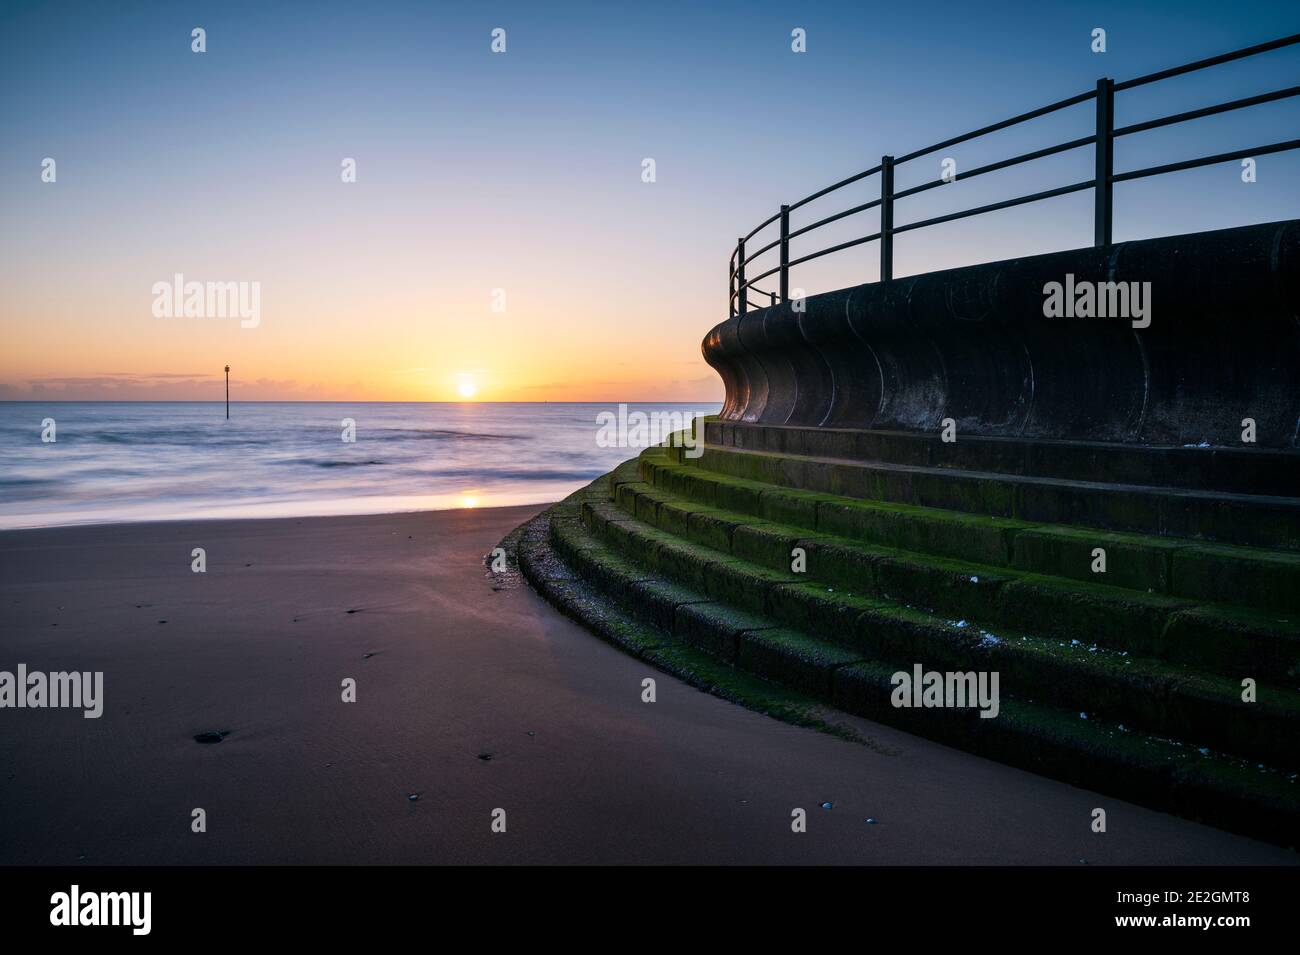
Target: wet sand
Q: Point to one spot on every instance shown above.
(449, 670)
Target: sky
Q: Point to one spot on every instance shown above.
(500, 241)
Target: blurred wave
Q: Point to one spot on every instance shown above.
(141, 461)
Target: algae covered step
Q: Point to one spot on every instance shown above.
(1255, 577)
(1243, 469)
(1221, 516)
(1265, 645)
(1157, 696)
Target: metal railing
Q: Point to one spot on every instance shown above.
(1103, 181)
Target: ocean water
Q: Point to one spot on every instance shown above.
(138, 461)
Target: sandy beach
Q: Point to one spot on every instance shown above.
(472, 695)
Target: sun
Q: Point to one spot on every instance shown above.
(466, 385)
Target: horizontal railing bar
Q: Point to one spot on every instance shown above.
(771, 271)
(839, 215)
(835, 248)
(1208, 111)
(759, 291)
(751, 256)
(1206, 160)
(1023, 117)
(1209, 61)
(994, 166)
(994, 206)
(762, 225)
(839, 185)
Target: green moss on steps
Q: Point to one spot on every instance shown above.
(768, 545)
(655, 599)
(796, 660)
(711, 528)
(715, 627)
(1229, 518)
(698, 669)
(966, 591)
(1095, 613)
(1246, 643)
(1239, 575)
(1141, 563)
(1246, 576)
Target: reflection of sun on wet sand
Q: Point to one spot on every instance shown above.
(449, 667)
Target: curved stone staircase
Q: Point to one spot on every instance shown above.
(970, 557)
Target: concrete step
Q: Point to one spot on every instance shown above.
(1161, 697)
(1251, 577)
(1255, 520)
(723, 648)
(1243, 469)
(1222, 639)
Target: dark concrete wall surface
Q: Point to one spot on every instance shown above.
(973, 344)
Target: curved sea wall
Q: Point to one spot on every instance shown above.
(1209, 336)
(1090, 526)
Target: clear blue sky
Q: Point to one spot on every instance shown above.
(522, 171)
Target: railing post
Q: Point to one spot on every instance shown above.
(731, 289)
(785, 253)
(1102, 214)
(886, 218)
(742, 297)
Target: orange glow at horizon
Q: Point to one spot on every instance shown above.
(320, 351)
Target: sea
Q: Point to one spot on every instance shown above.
(111, 462)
